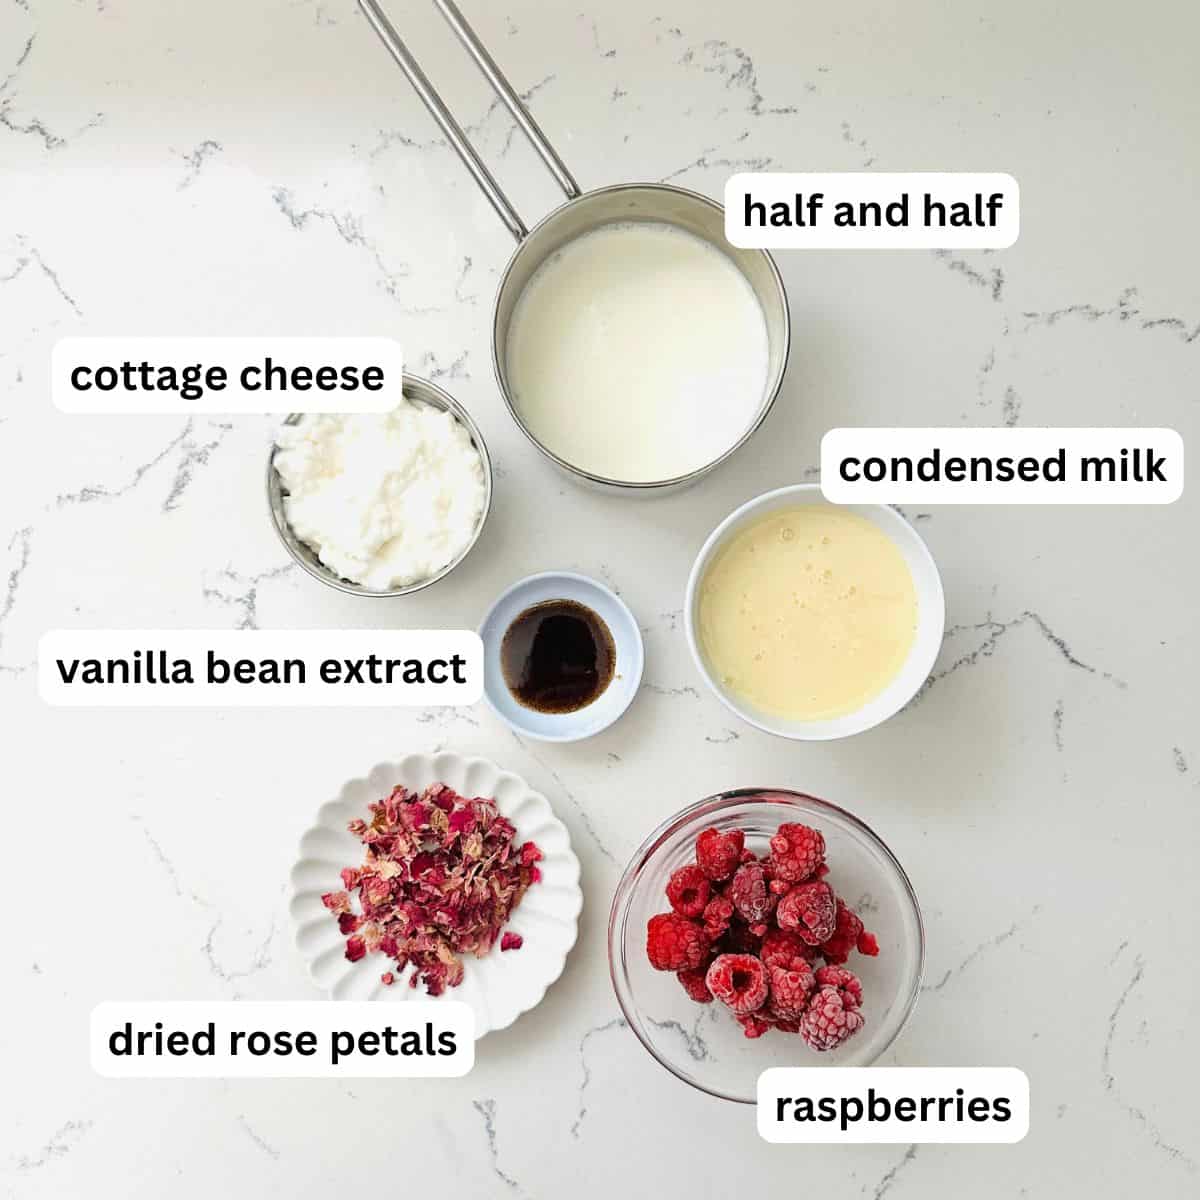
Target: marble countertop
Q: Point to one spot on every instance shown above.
(230, 168)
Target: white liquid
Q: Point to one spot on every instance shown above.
(638, 352)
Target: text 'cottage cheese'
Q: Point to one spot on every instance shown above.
(384, 499)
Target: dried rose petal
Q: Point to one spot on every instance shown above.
(440, 878)
(336, 902)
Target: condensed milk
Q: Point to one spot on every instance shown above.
(807, 613)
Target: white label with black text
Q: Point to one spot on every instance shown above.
(300, 1039)
(259, 667)
(872, 210)
(893, 1104)
(226, 374)
(1002, 466)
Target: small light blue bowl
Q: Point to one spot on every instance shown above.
(627, 673)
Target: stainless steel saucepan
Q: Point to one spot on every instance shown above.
(583, 212)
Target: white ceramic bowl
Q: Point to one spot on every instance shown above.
(931, 617)
(500, 986)
(627, 673)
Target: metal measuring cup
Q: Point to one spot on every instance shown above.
(583, 212)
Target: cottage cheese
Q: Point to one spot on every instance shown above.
(384, 500)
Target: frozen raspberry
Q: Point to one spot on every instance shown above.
(738, 981)
(847, 927)
(846, 982)
(786, 1026)
(718, 854)
(848, 935)
(695, 986)
(738, 939)
(673, 943)
(753, 1026)
(811, 910)
(688, 891)
(784, 949)
(828, 1022)
(790, 991)
(718, 912)
(796, 852)
(750, 894)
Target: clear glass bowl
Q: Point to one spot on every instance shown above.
(703, 1044)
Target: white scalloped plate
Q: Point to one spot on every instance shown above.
(500, 986)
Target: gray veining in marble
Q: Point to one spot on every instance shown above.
(232, 168)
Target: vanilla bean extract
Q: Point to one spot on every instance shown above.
(557, 656)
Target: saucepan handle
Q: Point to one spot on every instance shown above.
(515, 105)
(451, 128)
